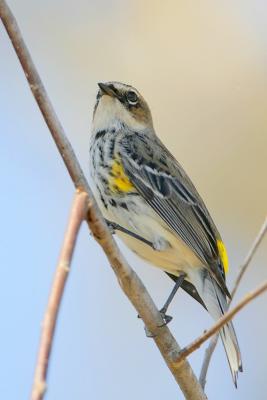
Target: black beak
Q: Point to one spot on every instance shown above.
(107, 89)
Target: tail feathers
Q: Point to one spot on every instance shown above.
(216, 304)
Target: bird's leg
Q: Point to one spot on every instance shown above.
(111, 226)
(178, 283)
(116, 227)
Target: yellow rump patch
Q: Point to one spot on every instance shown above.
(119, 182)
(223, 255)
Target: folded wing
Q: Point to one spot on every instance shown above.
(165, 186)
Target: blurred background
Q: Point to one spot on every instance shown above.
(202, 68)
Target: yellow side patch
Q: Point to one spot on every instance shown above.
(223, 255)
(119, 182)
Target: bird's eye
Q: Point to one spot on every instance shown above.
(132, 97)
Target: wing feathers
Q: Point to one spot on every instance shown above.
(168, 190)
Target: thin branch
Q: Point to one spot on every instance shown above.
(254, 247)
(128, 279)
(77, 215)
(221, 322)
(41, 97)
(243, 268)
(206, 361)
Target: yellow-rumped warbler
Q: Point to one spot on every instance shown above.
(141, 187)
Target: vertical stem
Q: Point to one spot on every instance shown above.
(77, 215)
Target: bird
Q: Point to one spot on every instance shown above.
(147, 197)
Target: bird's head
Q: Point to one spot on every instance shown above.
(119, 104)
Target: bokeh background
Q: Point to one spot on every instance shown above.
(202, 68)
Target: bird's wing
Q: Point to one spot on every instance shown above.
(166, 187)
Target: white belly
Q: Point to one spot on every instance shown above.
(172, 254)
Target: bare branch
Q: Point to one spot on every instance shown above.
(251, 253)
(77, 215)
(128, 279)
(221, 322)
(206, 361)
(210, 349)
(41, 97)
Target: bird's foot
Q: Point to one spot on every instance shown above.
(166, 318)
(147, 331)
(111, 226)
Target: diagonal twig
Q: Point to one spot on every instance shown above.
(128, 279)
(221, 322)
(206, 361)
(250, 255)
(77, 215)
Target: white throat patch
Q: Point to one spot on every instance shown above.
(111, 113)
